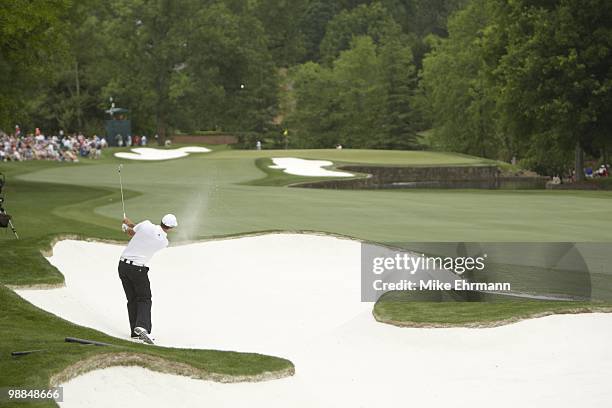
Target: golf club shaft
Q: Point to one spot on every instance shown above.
(121, 185)
(13, 229)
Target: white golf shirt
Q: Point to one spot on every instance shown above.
(149, 239)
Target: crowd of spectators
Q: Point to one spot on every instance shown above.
(130, 140)
(37, 146)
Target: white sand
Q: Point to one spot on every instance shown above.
(302, 167)
(298, 296)
(149, 153)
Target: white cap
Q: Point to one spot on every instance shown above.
(169, 220)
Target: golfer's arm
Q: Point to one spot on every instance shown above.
(128, 222)
(130, 232)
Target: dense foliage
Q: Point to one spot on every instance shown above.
(524, 78)
(529, 79)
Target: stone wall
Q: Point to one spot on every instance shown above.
(584, 185)
(444, 177)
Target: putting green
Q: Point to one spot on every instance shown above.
(207, 195)
(362, 156)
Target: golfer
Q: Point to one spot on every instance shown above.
(147, 239)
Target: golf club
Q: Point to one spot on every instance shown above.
(85, 341)
(121, 184)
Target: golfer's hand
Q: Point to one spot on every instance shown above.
(124, 227)
(128, 222)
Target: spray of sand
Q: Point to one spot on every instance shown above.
(197, 208)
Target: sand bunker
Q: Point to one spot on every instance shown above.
(149, 153)
(301, 167)
(298, 296)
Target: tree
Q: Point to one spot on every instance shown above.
(399, 77)
(68, 96)
(361, 101)
(372, 20)
(313, 24)
(281, 21)
(182, 64)
(556, 77)
(459, 97)
(232, 76)
(361, 94)
(30, 35)
(149, 48)
(314, 120)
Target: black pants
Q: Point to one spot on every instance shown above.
(135, 280)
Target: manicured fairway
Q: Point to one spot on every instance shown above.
(209, 196)
(387, 157)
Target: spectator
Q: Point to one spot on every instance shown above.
(18, 147)
(602, 171)
(143, 140)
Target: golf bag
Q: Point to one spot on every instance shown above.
(5, 219)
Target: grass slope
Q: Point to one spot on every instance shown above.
(25, 327)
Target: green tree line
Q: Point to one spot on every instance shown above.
(185, 64)
(525, 79)
(530, 79)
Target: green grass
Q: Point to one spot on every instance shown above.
(208, 192)
(25, 327)
(404, 310)
(360, 156)
(217, 194)
(41, 212)
(278, 178)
